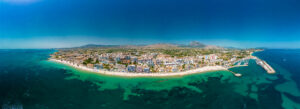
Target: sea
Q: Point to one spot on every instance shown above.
(29, 81)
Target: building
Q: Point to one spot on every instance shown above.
(213, 57)
(131, 68)
(233, 59)
(90, 65)
(161, 70)
(117, 59)
(139, 69)
(147, 70)
(174, 69)
(98, 66)
(120, 67)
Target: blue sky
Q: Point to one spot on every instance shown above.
(68, 23)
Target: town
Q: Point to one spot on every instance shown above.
(150, 60)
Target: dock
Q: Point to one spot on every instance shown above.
(265, 65)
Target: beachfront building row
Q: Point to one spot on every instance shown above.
(147, 62)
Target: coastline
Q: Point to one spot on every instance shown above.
(160, 74)
(127, 74)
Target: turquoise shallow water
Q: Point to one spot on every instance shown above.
(28, 80)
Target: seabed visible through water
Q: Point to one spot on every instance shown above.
(37, 83)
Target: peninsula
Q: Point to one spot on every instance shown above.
(153, 60)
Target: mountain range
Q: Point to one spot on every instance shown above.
(193, 44)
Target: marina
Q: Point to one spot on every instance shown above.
(242, 62)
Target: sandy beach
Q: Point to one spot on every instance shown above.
(128, 74)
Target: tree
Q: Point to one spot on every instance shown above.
(97, 61)
(106, 66)
(119, 62)
(87, 61)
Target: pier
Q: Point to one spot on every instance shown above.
(265, 65)
(235, 74)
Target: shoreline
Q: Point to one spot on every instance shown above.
(128, 74)
(205, 69)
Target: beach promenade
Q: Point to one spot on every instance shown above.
(204, 69)
(132, 74)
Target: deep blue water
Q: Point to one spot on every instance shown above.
(288, 59)
(29, 81)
